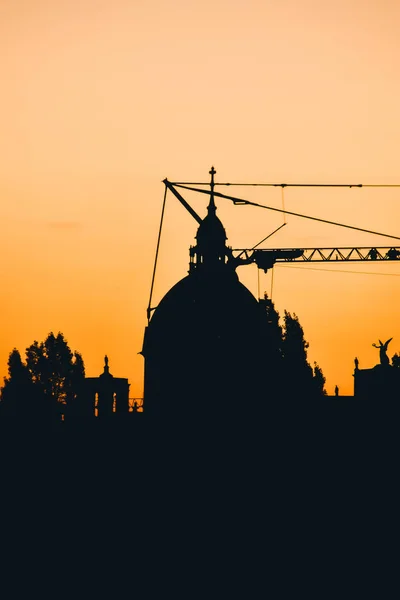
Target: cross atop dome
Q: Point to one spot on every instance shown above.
(211, 206)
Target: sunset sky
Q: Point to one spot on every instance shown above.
(102, 100)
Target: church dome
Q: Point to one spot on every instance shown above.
(200, 304)
(204, 341)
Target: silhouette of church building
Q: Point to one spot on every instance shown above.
(203, 347)
(105, 395)
(380, 382)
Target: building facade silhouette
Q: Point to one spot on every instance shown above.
(105, 396)
(380, 382)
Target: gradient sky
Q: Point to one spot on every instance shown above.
(102, 100)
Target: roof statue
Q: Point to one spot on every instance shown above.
(382, 351)
(106, 368)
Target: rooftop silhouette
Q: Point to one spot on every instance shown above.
(211, 349)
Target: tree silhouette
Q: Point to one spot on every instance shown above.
(273, 328)
(17, 390)
(319, 381)
(272, 345)
(48, 384)
(299, 379)
(288, 371)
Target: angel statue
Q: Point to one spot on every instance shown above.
(382, 352)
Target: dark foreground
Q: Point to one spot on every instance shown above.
(295, 439)
(301, 502)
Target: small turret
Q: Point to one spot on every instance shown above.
(210, 251)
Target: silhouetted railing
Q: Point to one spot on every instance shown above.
(135, 404)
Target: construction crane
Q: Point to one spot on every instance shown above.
(265, 259)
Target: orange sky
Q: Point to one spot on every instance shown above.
(100, 101)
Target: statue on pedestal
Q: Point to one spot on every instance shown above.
(382, 352)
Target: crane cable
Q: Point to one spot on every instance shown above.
(149, 309)
(283, 205)
(268, 236)
(339, 271)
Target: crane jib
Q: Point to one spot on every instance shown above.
(265, 259)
